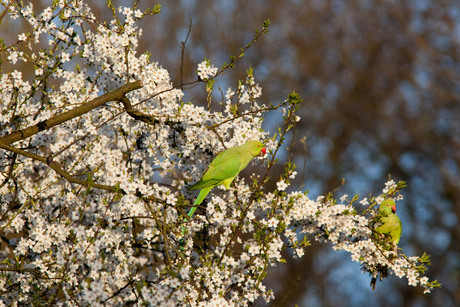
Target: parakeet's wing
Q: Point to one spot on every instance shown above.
(205, 184)
(227, 164)
(391, 226)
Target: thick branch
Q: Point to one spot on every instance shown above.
(57, 168)
(149, 119)
(115, 95)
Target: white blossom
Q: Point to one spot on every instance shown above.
(281, 185)
(22, 37)
(206, 71)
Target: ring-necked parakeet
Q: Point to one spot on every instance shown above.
(392, 227)
(224, 168)
(391, 224)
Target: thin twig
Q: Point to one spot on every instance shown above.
(183, 52)
(6, 10)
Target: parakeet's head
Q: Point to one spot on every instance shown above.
(256, 148)
(387, 206)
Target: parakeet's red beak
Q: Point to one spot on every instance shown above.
(393, 208)
(263, 151)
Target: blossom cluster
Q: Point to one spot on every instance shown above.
(347, 230)
(206, 70)
(93, 207)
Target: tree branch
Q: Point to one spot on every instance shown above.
(57, 168)
(115, 95)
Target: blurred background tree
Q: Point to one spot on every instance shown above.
(381, 84)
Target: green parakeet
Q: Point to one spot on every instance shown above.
(391, 224)
(224, 168)
(392, 227)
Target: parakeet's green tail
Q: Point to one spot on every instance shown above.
(199, 200)
(191, 212)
